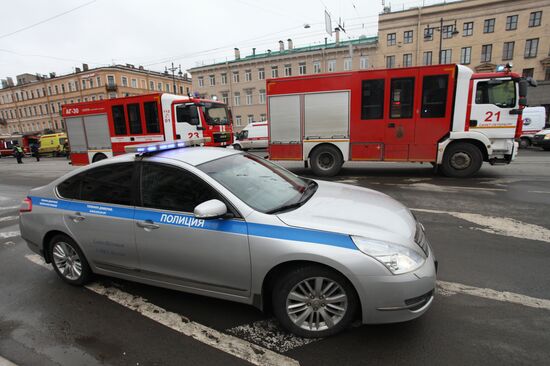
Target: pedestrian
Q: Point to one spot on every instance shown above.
(66, 149)
(18, 153)
(35, 151)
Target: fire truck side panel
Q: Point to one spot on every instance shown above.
(285, 127)
(77, 140)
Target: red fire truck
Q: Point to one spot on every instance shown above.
(24, 140)
(445, 115)
(101, 129)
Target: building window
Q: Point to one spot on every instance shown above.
(390, 62)
(448, 31)
(508, 51)
(465, 55)
(428, 34)
(528, 73)
(249, 97)
(236, 77)
(262, 96)
(446, 56)
(316, 67)
(288, 70)
(124, 81)
(247, 75)
(167, 88)
(392, 39)
(408, 36)
(486, 51)
(531, 48)
(201, 81)
(98, 79)
(250, 118)
(263, 117)
(547, 74)
(274, 71)
(212, 80)
(237, 99)
(224, 79)
(427, 58)
(159, 86)
(134, 83)
(363, 62)
(302, 68)
(57, 88)
(62, 90)
(407, 60)
(225, 98)
(83, 86)
(347, 63)
(535, 18)
(238, 120)
(151, 85)
(261, 74)
(489, 25)
(511, 22)
(331, 65)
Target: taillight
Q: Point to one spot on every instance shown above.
(26, 205)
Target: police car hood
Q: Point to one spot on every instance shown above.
(351, 210)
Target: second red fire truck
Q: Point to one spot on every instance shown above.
(100, 129)
(445, 115)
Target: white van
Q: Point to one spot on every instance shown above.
(534, 119)
(253, 136)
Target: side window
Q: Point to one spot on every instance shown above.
(134, 117)
(434, 96)
(70, 188)
(169, 188)
(187, 114)
(501, 93)
(401, 98)
(151, 117)
(372, 102)
(109, 184)
(119, 120)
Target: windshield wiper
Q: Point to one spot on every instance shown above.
(306, 195)
(286, 207)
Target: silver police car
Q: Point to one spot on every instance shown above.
(227, 224)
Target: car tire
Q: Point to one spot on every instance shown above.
(326, 161)
(461, 160)
(99, 157)
(322, 316)
(524, 143)
(236, 146)
(68, 261)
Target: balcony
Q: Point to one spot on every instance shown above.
(111, 87)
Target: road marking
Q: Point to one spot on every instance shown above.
(452, 288)
(499, 225)
(444, 189)
(9, 208)
(237, 347)
(268, 334)
(8, 218)
(9, 234)
(543, 192)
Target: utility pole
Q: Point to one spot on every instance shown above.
(173, 70)
(440, 39)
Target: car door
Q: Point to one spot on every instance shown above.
(177, 248)
(99, 215)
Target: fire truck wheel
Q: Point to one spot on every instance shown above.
(524, 143)
(98, 157)
(461, 160)
(326, 161)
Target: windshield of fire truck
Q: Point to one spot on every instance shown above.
(215, 114)
(501, 93)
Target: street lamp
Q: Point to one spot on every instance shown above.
(173, 70)
(428, 35)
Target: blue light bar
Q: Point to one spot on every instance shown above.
(163, 145)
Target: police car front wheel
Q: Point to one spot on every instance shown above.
(68, 260)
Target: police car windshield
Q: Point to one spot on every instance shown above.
(262, 185)
(215, 114)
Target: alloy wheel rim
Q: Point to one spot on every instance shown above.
(67, 261)
(461, 160)
(316, 304)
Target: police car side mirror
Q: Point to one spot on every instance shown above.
(212, 209)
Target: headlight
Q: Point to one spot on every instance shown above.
(397, 258)
(547, 137)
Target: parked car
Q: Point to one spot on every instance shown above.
(542, 139)
(534, 120)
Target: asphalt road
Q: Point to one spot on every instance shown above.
(491, 234)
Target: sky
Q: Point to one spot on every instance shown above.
(38, 36)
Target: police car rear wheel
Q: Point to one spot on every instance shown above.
(68, 261)
(314, 302)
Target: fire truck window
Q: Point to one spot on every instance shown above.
(168, 188)
(401, 98)
(119, 120)
(109, 184)
(434, 96)
(134, 118)
(501, 93)
(187, 114)
(151, 117)
(372, 105)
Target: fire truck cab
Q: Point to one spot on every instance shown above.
(445, 115)
(100, 129)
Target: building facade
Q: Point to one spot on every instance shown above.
(240, 83)
(34, 104)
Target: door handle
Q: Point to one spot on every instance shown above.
(147, 225)
(77, 217)
(391, 125)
